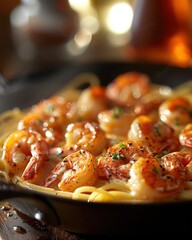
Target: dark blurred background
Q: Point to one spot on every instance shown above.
(40, 33)
(36, 33)
(6, 43)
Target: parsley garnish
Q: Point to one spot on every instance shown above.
(177, 122)
(155, 154)
(50, 108)
(39, 122)
(122, 145)
(117, 111)
(16, 181)
(156, 131)
(117, 156)
(154, 170)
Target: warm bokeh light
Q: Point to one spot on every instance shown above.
(80, 42)
(82, 38)
(20, 16)
(79, 5)
(119, 18)
(90, 23)
(179, 49)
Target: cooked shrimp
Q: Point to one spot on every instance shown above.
(148, 107)
(156, 135)
(176, 112)
(47, 126)
(149, 104)
(50, 117)
(116, 122)
(86, 135)
(57, 107)
(75, 170)
(185, 137)
(82, 135)
(127, 88)
(25, 152)
(151, 179)
(117, 161)
(184, 157)
(91, 101)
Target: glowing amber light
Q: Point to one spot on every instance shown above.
(119, 18)
(180, 50)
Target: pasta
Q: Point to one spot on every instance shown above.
(129, 141)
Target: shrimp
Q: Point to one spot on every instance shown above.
(47, 126)
(176, 112)
(117, 161)
(116, 122)
(91, 101)
(82, 135)
(152, 179)
(50, 117)
(184, 157)
(155, 179)
(58, 108)
(148, 107)
(185, 137)
(150, 102)
(25, 152)
(75, 170)
(156, 135)
(127, 88)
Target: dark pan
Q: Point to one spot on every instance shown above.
(25, 90)
(110, 219)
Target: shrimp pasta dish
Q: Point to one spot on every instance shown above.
(128, 141)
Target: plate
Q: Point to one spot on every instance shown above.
(103, 219)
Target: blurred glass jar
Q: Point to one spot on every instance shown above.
(41, 28)
(161, 31)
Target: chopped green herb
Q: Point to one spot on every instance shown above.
(49, 108)
(117, 156)
(122, 145)
(177, 122)
(39, 122)
(156, 131)
(154, 170)
(16, 181)
(101, 155)
(117, 111)
(155, 154)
